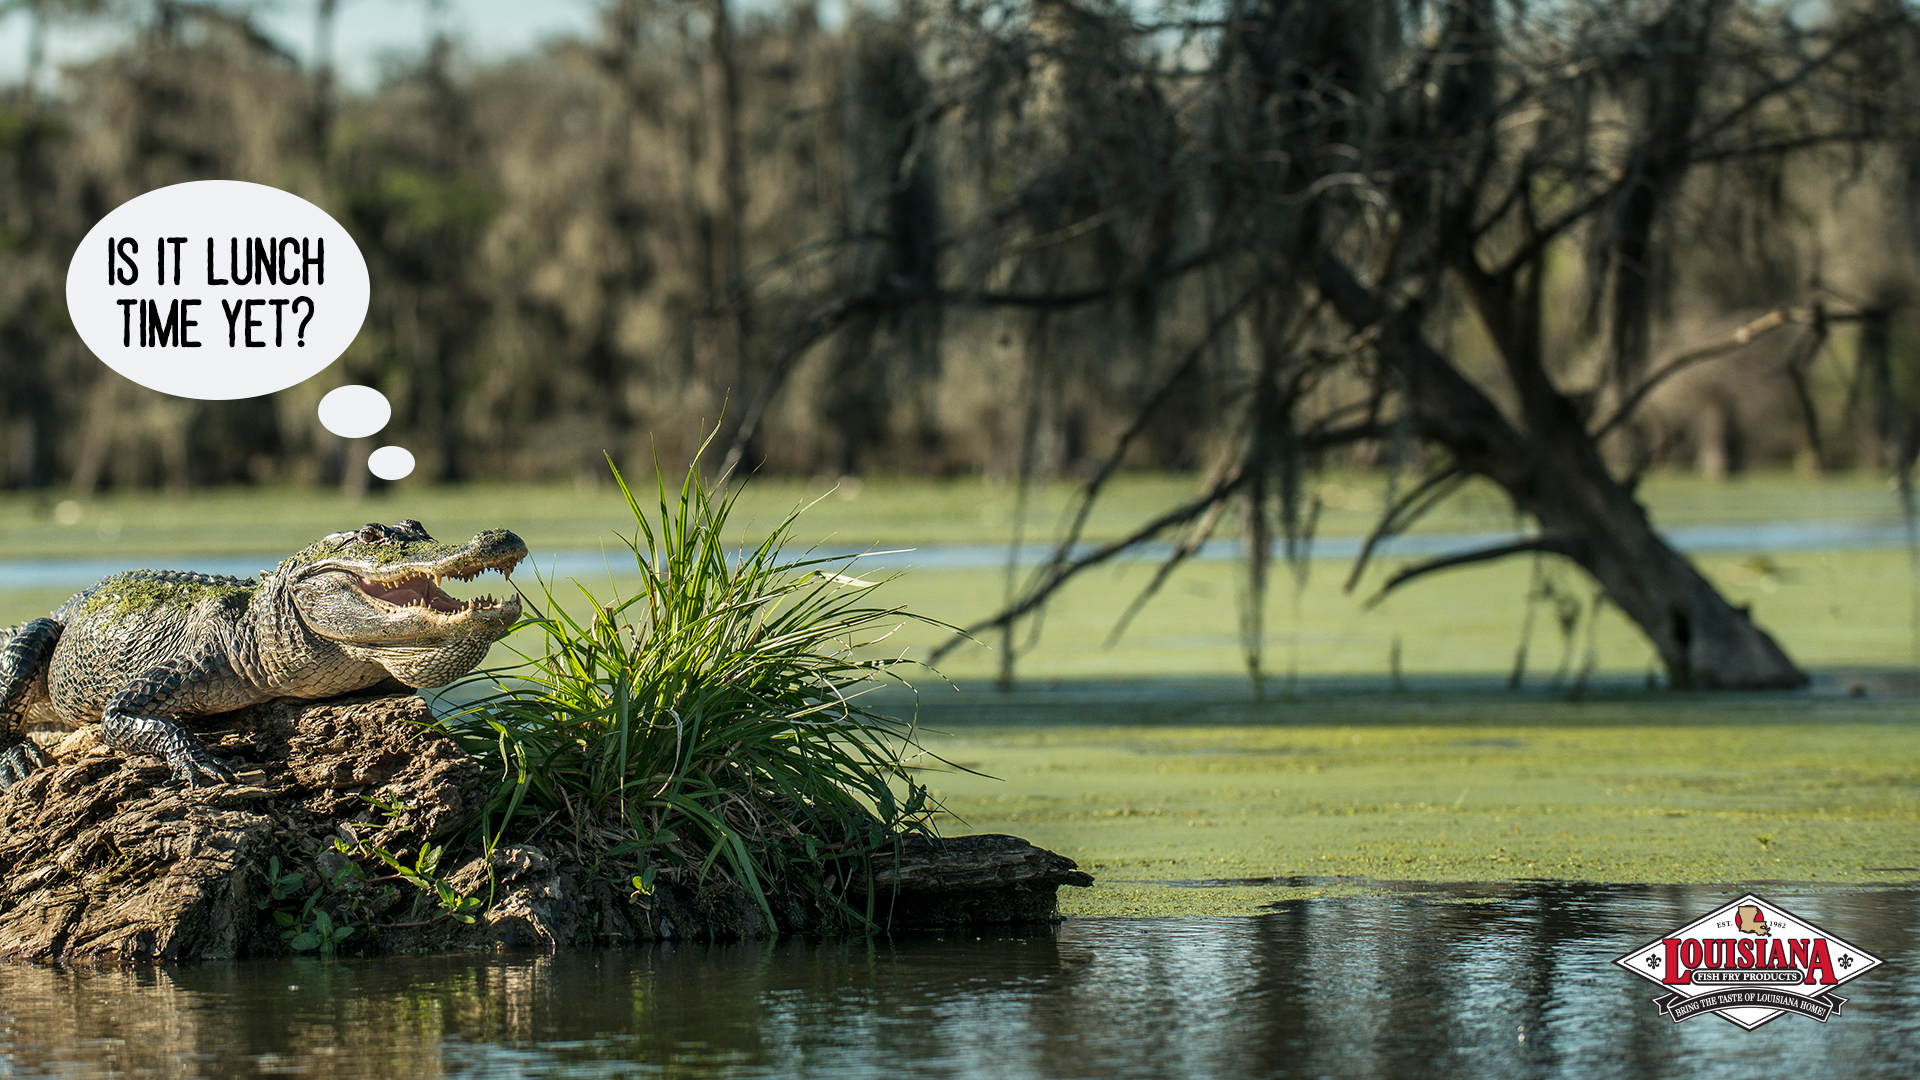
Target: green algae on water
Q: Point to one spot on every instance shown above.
(1197, 819)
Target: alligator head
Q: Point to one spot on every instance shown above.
(376, 592)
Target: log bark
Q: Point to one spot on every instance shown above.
(105, 858)
(987, 879)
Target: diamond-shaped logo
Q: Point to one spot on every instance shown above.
(1749, 962)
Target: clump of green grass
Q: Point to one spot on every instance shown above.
(710, 725)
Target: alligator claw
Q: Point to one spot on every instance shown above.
(196, 768)
(21, 759)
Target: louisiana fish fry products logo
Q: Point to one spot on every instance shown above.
(1749, 962)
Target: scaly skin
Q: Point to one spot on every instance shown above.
(140, 650)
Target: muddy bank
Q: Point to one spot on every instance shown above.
(104, 857)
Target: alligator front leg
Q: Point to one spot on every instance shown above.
(24, 653)
(141, 718)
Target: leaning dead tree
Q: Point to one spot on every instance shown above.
(1286, 227)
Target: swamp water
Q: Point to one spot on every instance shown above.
(1740, 537)
(1482, 981)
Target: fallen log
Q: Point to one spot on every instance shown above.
(103, 857)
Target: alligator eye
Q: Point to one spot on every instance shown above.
(373, 532)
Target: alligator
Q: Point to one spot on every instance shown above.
(138, 651)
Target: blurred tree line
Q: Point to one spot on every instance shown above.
(1548, 244)
(955, 237)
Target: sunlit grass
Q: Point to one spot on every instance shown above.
(710, 720)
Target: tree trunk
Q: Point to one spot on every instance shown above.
(1704, 642)
(1553, 471)
(323, 78)
(728, 287)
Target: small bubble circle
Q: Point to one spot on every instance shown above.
(390, 462)
(354, 412)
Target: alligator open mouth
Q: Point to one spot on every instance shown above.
(398, 570)
(416, 584)
(423, 590)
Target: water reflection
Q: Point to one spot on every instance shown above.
(1483, 981)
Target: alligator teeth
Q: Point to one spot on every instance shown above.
(421, 589)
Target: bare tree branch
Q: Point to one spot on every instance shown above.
(830, 317)
(1040, 593)
(1182, 551)
(1145, 413)
(1402, 514)
(1733, 342)
(1468, 558)
(1552, 230)
(824, 320)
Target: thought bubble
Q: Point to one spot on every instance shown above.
(217, 289)
(390, 462)
(354, 412)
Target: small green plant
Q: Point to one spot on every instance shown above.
(712, 721)
(321, 935)
(281, 885)
(308, 926)
(340, 893)
(313, 928)
(423, 874)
